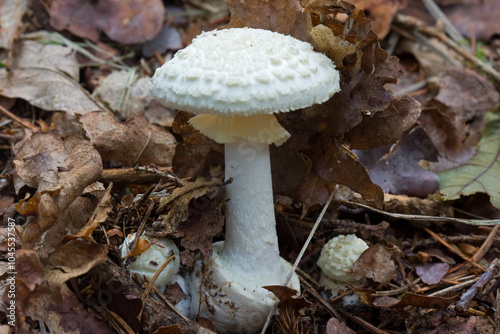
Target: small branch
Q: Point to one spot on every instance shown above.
(417, 218)
(19, 120)
(493, 270)
(134, 175)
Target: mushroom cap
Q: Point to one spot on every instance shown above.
(244, 71)
(338, 256)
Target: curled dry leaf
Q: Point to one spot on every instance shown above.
(376, 263)
(126, 21)
(135, 142)
(455, 124)
(46, 75)
(67, 171)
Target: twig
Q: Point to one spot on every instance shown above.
(493, 270)
(417, 218)
(453, 288)
(301, 254)
(19, 120)
(438, 14)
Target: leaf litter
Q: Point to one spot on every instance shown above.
(383, 139)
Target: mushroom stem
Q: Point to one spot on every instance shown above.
(251, 245)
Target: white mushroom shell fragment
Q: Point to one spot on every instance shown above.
(243, 71)
(338, 256)
(148, 262)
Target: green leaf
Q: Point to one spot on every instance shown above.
(481, 173)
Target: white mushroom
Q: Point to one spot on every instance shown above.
(148, 262)
(336, 261)
(235, 80)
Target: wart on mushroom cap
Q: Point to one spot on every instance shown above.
(235, 79)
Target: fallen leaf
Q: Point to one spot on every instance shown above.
(412, 299)
(126, 21)
(196, 153)
(128, 94)
(11, 26)
(380, 13)
(396, 168)
(432, 273)
(70, 316)
(46, 75)
(82, 166)
(182, 203)
(387, 125)
(472, 324)
(285, 16)
(168, 39)
(375, 263)
(204, 215)
(475, 18)
(479, 174)
(99, 216)
(334, 326)
(73, 259)
(135, 142)
(455, 124)
(288, 298)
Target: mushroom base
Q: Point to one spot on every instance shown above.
(236, 307)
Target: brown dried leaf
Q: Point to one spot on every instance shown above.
(375, 263)
(11, 26)
(432, 273)
(126, 21)
(455, 125)
(130, 97)
(380, 13)
(396, 168)
(283, 16)
(70, 315)
(46, 75)
(334, 326)
(337, 164)
(288, 299)
(387, 125)
(29, 269)
(99, 216)
(131, 143)
(196, 153)
(82, 166)
(412, 299)
(207, 218)
(182, 204)
(73, 259)
(480, 14)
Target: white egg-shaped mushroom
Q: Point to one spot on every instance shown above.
(234, 80)
(336, 261)
(149, 261)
